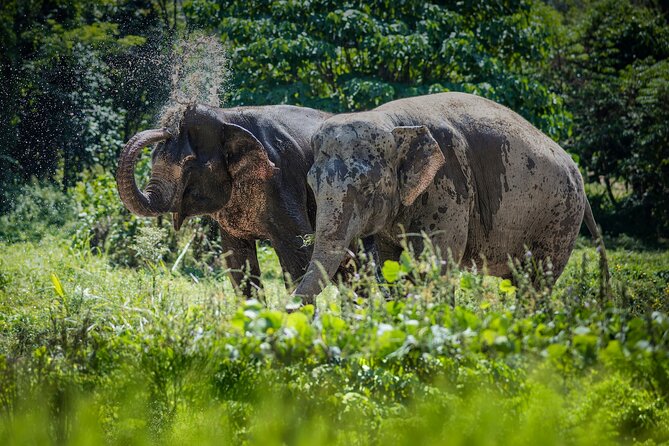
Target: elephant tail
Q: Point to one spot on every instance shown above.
(605, 276)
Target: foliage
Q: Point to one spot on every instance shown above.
(613, 67)
(94, 354)
(148, 245)
(359, 54)
(36, 211)
(75, 82)
(103, 223)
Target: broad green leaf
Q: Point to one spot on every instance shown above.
(585, 341)
(556, 351)
(309, 310)
(394, 307)
(488, 336)
(300, 322)
(390, 340)
(273, 318)
(505, 286)
(613, 352)
(333, 322)
(391, 271)
(466, 282)
(406, 262)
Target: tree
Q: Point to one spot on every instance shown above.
(615, 78)
(353, 55)
(71, 92)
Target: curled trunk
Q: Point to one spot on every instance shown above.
(158, 196)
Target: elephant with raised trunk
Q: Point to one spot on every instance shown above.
(479, 179)
(245, 167)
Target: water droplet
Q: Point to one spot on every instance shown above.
(199, 72)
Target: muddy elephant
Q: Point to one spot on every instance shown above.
(245, 167)
(479, 179)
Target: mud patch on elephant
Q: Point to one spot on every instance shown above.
(341, 221)
(531, 165)
(335, 171)
(487, 153)
(452, 168)
(573, 210)
(241, 220)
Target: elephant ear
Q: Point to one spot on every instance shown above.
(420, 159)
(246, 156)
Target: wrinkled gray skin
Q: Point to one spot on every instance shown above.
(245, 167)
(479, 179)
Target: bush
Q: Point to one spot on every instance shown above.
(355, 55)
(616, 81)
(37, 210)
(113, 354)
(104, 225)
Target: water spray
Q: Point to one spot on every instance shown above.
(199, 74)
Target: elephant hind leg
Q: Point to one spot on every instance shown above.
(544, 264)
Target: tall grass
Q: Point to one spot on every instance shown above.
(100, 354)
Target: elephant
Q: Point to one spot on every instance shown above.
(245, 167)
(476, 177)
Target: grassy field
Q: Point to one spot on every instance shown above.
(91, 353)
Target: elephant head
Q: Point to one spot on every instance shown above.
(364, 172)
(194, 169)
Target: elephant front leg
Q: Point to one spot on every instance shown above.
(241, 260)
(294, 254)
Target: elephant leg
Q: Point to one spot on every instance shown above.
(293, 255)
(242, 260)
(372, 253)
(387, 250)
(287, 234)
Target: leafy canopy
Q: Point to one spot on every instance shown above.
(354, 55)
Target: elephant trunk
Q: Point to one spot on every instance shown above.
(159, 193)
(326, 258)
(335, 229)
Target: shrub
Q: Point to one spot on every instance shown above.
(147, 355)
(37, 210)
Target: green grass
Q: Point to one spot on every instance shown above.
(143, 356)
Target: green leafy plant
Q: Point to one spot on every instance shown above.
(136, 353)
(37, 210)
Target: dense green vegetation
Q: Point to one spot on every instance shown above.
(106, 337)
(90, 352)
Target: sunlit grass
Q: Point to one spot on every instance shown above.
(139, 356)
